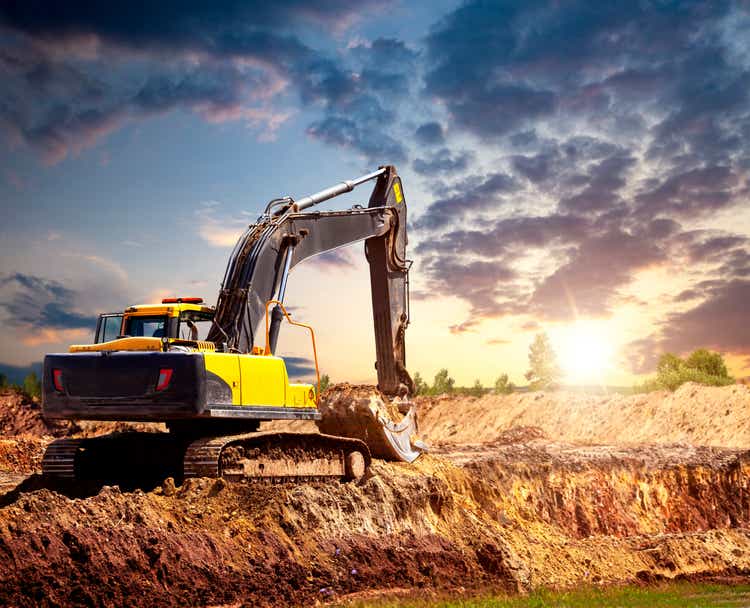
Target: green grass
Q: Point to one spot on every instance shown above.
(671, 595)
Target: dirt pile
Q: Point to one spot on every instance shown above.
(20, 415)
(522, 510)
(21, 454)
(694, 414)
(513, 515)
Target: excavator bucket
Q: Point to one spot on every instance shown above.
(388, 427)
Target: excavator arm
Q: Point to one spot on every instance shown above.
(285, 235)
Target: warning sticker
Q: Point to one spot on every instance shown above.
(397, 192)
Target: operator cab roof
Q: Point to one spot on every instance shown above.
(170, 306)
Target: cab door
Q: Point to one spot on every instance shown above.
(108, 327)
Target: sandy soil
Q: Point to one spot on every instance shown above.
(693, 414)
(513, 507)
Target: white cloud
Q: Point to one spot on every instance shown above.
(220, 231)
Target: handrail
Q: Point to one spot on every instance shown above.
(267, 350)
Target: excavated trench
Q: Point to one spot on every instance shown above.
(517, 512)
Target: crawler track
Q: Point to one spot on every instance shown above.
(263, 457)
(277, 457)
(60, 458)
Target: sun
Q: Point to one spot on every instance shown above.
(585, 352)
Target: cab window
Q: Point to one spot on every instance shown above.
(194, 324)
(108, 327)
(111, 328)
(149, 327)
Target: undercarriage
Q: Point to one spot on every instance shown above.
(272, 457)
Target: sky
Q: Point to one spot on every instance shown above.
(577, 168)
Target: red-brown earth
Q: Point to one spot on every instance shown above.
(516, 507)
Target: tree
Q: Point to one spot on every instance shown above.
(669, 363)
(707, 362)
(420, 386)
(503, 386)
(443, 384)
(544, 371)
(477, 390)
(702, 367)
(3, 381)
(325, 381)
(32, 386)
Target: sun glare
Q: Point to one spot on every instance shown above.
(585, 352)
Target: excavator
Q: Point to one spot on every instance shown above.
(150, 363)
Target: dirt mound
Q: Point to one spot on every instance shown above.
(515, 516)
(519, 434)
(514, 507)
(20, 415)
(21, 454)
(694, 414)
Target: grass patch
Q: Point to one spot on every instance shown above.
(667, 595)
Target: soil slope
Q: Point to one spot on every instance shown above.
(522, 510)
(699, 415)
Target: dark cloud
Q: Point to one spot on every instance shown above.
(360, 104)
(510, 235)
(429, 134)
(701, 191)
(736, 263)
(170, 24)
(718, 322)
(604, 180)
(41, 304)
(443, 162)
(377, 147)
(704, 246)
(662, 92)
(588, 284)
(76, 72)
(489, 287)
(473, 194)
(501, 66)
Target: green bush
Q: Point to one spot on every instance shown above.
(32, 386)
(420, 386)
(503, 386)
(443, 383)
(477, 390)
(325, 382)
(702, 367)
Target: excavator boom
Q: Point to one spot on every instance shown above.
(283, 237)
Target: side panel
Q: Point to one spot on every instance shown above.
(301, 395)
(264, 380)
(223, 379)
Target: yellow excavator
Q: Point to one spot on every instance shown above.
(211, 373)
